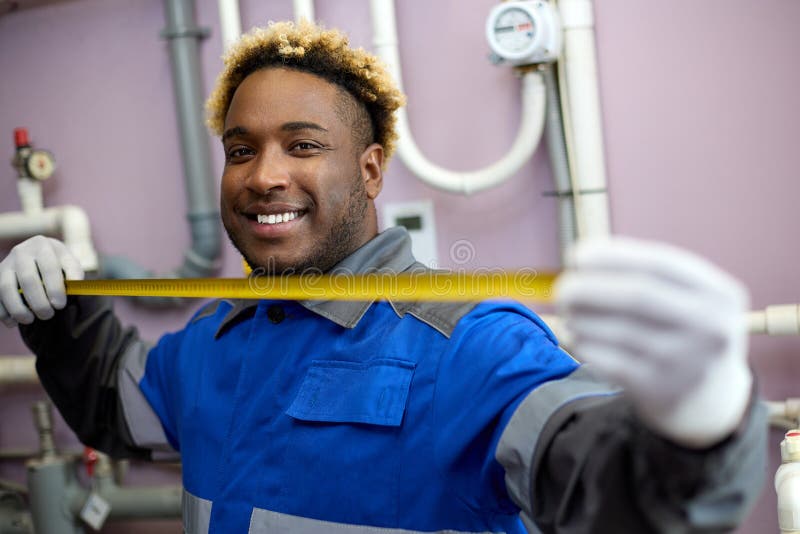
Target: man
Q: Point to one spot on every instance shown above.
(321, 416)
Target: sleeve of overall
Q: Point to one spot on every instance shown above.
(496, 356)
(90, 366)
(594, 468)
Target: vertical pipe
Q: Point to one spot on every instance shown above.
(230, 22)
(48, 484)
(202, 258)
(183, 34)
(557, 150)
(304, 9)
(585, 128)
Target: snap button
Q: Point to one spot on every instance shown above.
(276, 314)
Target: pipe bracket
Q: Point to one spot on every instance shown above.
(179, 33)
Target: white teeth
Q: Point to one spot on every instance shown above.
(277, 218)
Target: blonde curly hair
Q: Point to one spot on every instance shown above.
(311, 48)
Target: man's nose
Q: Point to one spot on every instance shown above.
(270, 172)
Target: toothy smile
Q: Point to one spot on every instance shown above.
(277, 218)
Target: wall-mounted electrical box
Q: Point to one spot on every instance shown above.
(417, 218)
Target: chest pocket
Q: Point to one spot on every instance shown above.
(345, 439)
(372, 393)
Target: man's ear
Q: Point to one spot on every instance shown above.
(371, 162)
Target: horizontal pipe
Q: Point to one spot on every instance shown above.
(134, 502)
(69, 223)
(780, 320)
(15, 370)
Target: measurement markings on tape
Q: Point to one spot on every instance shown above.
(527, 285)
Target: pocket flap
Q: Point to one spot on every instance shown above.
(373, 392)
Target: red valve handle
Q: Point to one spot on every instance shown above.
(21, 137)
(90, 459)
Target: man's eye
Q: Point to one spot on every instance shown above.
(305, 146)
(238, 152)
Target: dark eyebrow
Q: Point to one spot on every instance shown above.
(230, 132)
(295, 126)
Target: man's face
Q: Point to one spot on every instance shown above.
(296, 190)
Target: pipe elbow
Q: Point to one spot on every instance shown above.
(527, 140)
(77, 235)
(202, 257)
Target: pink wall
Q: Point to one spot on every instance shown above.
(701, 113)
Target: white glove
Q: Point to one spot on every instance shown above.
(667, 326)
(38, 266)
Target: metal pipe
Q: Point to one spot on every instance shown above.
(202, 258)
(48, 482)
(559, 161)
(134, 503)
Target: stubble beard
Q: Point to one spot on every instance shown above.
(343, 238)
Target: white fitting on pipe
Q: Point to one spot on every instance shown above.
(585, 132)
(70, 223)
(230, 22)
(304, 9)
(528, 137)
(781, 320)
(16, 370)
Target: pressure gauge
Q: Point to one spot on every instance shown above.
(40, 164)
(524, 32)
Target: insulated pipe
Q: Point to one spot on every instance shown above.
(202, 259)
(530, 129)
(304, 9)
(68, 222)
(559, 161)
(230, 22)
(584, 127)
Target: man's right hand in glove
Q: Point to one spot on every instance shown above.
(39, 267)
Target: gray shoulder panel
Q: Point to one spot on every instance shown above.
(441, 316)
(517, 447)
(142, 422)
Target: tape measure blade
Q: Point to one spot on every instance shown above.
(428, 286)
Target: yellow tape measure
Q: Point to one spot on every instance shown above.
(527, 285)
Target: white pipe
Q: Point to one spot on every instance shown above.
(782, 320)
(530, 129)
(16, 370)
(30, 194)
(787, 483)
(304, 9)
(585, 133)
(68, 222)
(230, 22)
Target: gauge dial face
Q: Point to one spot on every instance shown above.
(514, 30)
(41, 164)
